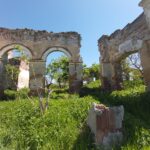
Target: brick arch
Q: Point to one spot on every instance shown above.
(9, 47)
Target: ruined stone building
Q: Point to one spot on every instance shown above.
(135, 37)
(37, 45)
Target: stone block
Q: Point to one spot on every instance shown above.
(106, 125)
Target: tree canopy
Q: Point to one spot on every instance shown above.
(58, 70)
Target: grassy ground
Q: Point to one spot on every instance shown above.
(63, 126)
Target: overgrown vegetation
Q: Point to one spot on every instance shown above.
(63, 126)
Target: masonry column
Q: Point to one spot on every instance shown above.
(75, 77)
(116, 76)
(145, 61)
(106, 75)
(145, 52)
(1, 78)
(37, 77)
(106, 67)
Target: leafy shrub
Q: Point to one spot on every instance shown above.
(132, 84)
(20, 94)
(23, 93)
(10, 94)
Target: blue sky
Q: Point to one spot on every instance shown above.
(90, 18)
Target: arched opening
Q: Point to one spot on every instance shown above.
(57, 67)
(15, 59)
(74, 68)
(132, 69)
(56, 49)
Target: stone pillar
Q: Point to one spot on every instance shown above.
(37, 77)
(145, 61)
(116, 76)
(106, 75)
(145, 52)
(146, 6)
(75, 77)
(106, 68)
(1, 78)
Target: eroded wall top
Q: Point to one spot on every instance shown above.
(131, 36)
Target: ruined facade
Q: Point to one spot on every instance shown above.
(37, 45)
(134, 37)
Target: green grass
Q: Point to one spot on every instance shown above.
(137, 111)
(63, 126)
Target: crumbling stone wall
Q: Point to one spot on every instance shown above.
(135, 37)
(22, 80)
(37, 45)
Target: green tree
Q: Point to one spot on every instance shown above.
(135, 63)
(126, 70)
(91, 72)
(58, 69)
(86, 72)
(131, 67)
(95, 71)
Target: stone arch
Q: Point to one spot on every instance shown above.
(75, 68)
(111, 62)
(125, 49)
(9, 47)
(55, 49)
(129, 47)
